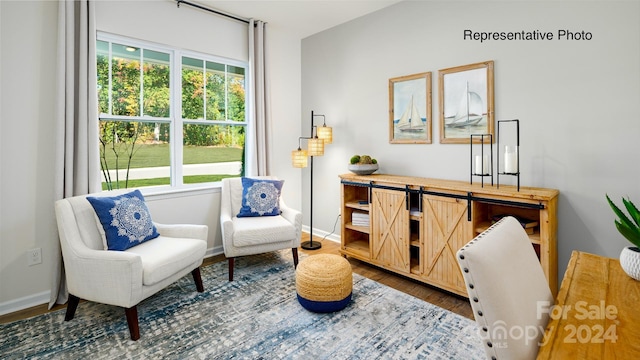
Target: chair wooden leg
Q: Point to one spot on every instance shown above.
(295, 257)
(231, 265)
(132, 321)
(198, 279)
(72, 305)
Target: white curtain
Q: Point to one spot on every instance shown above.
(76, 117)
(257, 159)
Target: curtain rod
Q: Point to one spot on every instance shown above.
(213, 11)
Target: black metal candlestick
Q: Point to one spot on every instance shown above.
(482, 174)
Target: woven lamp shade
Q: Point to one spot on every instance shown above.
(316, 147)
(299, 158)
(325, 133)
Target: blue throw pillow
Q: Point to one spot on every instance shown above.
(125, 219)
(260, 197)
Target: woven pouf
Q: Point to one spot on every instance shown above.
(324, 283)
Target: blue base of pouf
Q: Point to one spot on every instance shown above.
(324, 306)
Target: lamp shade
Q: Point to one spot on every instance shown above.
(325, 133)
(299, 158)
(316, 147)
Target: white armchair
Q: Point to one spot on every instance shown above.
(507, 288)
(255, 235)
(123, 278)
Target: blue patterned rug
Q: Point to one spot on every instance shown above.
(257, 316)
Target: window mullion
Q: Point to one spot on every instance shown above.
(110, 91)
(141, 96)
(176, 120)
(204, 90)
(226, 92)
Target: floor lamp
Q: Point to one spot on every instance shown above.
(319, 137)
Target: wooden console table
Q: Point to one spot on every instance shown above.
(413, 226)
(600, 307)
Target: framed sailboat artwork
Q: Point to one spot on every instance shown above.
(466, 102)
(410, 109)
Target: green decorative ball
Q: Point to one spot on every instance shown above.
(365, 159)
(355, 159)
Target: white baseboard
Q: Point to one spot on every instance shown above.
(322, 234)
(25, 302)
(214, 251)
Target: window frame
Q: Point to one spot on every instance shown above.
(175, 120)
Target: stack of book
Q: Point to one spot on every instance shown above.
(360, 218)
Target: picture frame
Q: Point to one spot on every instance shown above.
(410, 119)
(460, 115)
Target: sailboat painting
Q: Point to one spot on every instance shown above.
(411, 121)
(469, 111)
(466, 102)
(410, 109)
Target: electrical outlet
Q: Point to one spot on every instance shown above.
(34, 256)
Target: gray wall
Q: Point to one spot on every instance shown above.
(577, 101)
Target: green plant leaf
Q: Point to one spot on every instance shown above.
(630, 234)
(632, 210)
(623, 218)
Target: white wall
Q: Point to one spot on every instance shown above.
(185, 27)
(27, 72)
(576, 101)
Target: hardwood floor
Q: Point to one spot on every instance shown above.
(422, 291)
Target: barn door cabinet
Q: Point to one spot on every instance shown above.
(414, 226)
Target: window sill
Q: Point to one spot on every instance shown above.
(166, 192)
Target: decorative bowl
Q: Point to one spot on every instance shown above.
(363, 169)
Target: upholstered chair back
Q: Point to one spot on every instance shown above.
(86, 223)
(507, 289)
(85, 220)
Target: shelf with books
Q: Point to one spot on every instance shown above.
(355, 221)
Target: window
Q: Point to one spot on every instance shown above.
(168, 116)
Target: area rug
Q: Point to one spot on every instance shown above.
(257, 316)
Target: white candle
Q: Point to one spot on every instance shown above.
(510, 159)
(481, 165)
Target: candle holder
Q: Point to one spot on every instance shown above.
(510, 154)
(481, 165)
